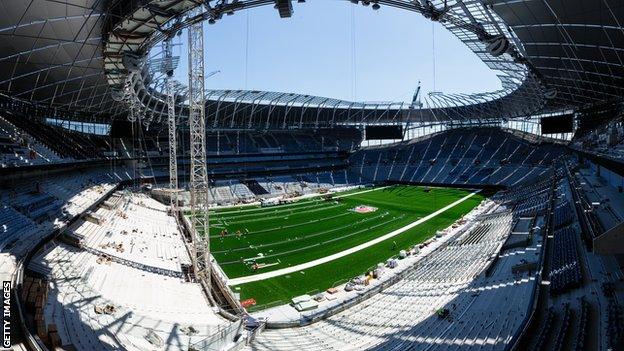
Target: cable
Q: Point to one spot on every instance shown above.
(247, 52)
(353, 58)
(433, 55)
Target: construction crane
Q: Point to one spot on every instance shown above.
(213, 73)
(416, 98)
(199, 178)
(168, 66)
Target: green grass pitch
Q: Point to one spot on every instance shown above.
(282, 236)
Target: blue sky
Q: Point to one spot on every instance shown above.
(336, 49)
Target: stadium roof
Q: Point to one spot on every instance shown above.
(577, 45)
(51, 52)
(72, 54)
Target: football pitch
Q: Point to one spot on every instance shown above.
(252, 240)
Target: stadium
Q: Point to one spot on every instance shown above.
(146, 207)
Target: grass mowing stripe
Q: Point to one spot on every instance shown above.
(242, 270)
(253, 207)
(262, 231)
(281, 234)
(290, 240)
(316, 244)
(272, 213)
(315, 209)
(300, 224)
(273, 210)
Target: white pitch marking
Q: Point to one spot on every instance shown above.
(363, 191)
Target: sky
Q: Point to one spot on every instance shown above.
(336, 49)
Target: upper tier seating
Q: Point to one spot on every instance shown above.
(224, 143)
(65, 143)
(473, 156)
(605, 139)
(20, 149)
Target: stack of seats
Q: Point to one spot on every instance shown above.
(241, 191)
(563, 328)
(16, 229)
(581, 327)
(39, 206)
(565, 271)
(615, 325)
(255, 187)
(542, 337)
(564, 215)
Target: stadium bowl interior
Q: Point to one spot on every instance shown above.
(142, 210)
